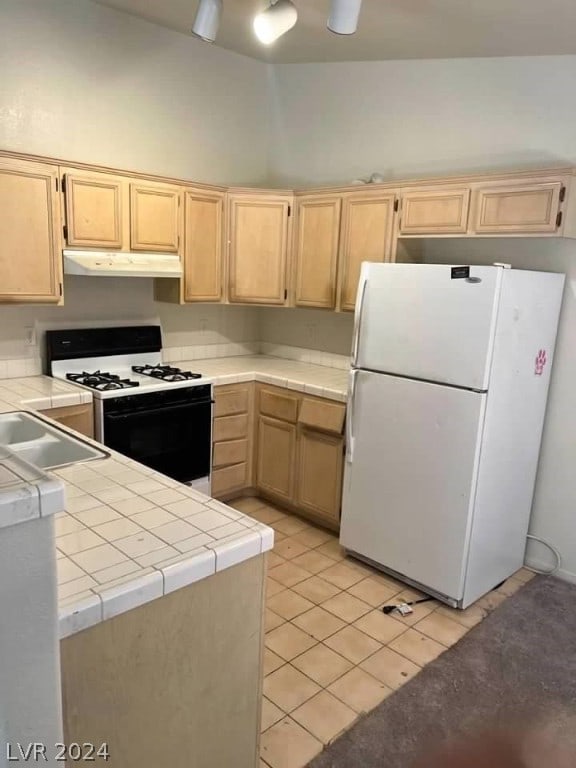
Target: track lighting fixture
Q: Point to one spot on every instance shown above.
(343, 19)
(275, 21)
(207, 20)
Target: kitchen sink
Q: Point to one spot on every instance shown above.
(16, 428)
(43, 444)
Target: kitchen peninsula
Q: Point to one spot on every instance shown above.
(161, 594)
(161, 590)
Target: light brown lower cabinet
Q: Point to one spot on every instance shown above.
(232, 438)
(78, 417)
(319, 474)
(286, 446)
(276, 458)
(176, 682)
(300, 455)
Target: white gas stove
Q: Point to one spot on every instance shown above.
(120, 375)
(154, 413)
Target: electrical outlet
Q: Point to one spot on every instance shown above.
(30, 336)
(203, 324)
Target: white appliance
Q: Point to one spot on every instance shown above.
(153, 413)
(448, 387)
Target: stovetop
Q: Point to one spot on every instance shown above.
(101, 380)
(118, 376)
(165, 372)
(114, 362)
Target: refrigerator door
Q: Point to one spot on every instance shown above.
(410, 477)
(425, 322)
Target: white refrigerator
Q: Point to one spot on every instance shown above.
(447, 396)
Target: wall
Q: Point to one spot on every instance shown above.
(554, 508)
(92, 301)
(335, 122)
(68, 65)
(338, 122)
(308, 328)
(83, 82)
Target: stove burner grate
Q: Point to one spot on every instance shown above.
(165, 372)
(101, 380)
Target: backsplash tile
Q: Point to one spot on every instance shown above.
(204, 352)
(310, 329)
(20, 367)
(302, 355)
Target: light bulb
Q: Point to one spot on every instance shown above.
(275, 21)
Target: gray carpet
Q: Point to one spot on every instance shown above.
(516, 668)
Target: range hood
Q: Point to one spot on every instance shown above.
(118, 264)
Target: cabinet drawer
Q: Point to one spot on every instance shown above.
(328, 417)
(229, 478)
(230, 428)
(230, 452)
(278, 405)
(228, 402)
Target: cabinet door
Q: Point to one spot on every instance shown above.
(316, 243)
(527, 208)
(154, 217)
(366, 236)
(203, 246)
(319, 479)
(78, 417)
(94, 210)
(30, 257)
(434, 212)
(258, 234)
(276, 457)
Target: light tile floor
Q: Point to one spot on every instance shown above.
(330, 653)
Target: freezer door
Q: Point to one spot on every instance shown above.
(410, 477)
(426, 322)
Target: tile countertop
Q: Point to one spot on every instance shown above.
(316, 380)
(130, 535)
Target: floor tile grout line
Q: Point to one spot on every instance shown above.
(366, 574)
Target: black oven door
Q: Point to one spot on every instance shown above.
(170, 432)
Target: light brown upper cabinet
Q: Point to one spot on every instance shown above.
(95, 210)
(203, 255)
(317, 229)
(154, 217)
(366, 235)
(519, 208)
(258, 247)
(434, 211)
(30, 245)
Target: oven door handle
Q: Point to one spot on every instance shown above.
(153, 411)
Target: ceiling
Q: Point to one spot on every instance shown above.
(388, 29)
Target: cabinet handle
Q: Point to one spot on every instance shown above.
(358, 316)
(350, 416)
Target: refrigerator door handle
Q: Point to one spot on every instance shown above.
(350, 416)
(358, 317)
